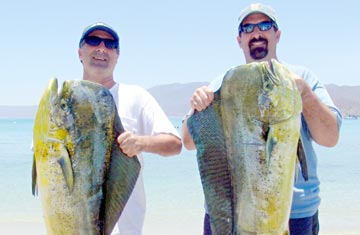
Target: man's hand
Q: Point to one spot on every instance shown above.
(130, 144)
(201, 98)
(302, 86)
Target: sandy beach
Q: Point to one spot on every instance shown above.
(166, 226)
(23, 226)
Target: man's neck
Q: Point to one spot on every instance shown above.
(107, 82)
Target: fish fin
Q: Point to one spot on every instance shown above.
(121, 178)
(270, 143)
(34, 178)
(302, 160)
(65, 164)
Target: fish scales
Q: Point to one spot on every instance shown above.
(83, 178)
(206, 130)
(259, 114)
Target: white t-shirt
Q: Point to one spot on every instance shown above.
(141, 114)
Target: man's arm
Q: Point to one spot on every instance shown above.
(162, 144)
(322, 122)
(187, 140)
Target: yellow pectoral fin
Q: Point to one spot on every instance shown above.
(65, 164)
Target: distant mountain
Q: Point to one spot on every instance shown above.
(346, 98)
(17, 111)
(175, 100)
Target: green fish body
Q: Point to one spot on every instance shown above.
(247, 143)
(83, 178)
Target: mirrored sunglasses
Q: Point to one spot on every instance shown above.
(95, 41)
(263, 26)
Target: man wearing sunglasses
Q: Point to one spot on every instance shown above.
(147, 127)
(258, 36)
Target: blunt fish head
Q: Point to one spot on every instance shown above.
(74, 104)
(279, 99)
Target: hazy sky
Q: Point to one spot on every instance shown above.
(165, 42)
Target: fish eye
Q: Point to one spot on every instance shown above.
(63, 105)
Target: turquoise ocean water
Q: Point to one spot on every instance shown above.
(174, 193)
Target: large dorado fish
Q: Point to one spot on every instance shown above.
(247, 142)
(83, 177)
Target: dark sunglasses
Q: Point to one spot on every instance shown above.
(263, 26)
(95, 41)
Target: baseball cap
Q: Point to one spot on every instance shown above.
(258, 8)
(98, 26)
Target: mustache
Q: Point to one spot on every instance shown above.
(260, 39)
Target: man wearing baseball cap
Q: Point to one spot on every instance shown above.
(101, 27)
(258, 36)
(147, 128)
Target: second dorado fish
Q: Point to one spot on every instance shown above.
(247, 143)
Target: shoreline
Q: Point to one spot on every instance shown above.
(35, 226)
